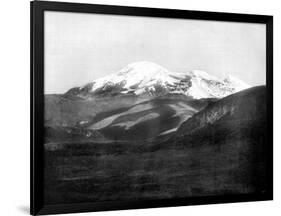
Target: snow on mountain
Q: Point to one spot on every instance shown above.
(147, 78)
(236, 83)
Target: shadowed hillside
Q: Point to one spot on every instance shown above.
(248, 105)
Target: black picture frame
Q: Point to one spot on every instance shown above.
(38, 8)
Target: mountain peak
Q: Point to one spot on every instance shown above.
(142, 76)
(143, 67)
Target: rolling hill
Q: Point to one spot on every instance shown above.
(91, 119)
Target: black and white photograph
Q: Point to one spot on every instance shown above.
(155, 108)
(143, 108)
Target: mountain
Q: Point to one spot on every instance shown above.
(149, 79)
(141, 101)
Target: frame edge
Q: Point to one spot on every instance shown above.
(36, 105)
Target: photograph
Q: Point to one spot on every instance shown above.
(153, 108)
(140, 108)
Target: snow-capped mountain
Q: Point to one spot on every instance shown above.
(147, 78)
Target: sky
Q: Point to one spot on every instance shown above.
(80, 48)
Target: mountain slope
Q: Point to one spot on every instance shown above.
(149, 119)
(244, 106)
(147, 78)
(122, 120)
(61, 110)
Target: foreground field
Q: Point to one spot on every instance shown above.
(135, 171)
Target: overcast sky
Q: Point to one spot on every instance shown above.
(82, 47)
